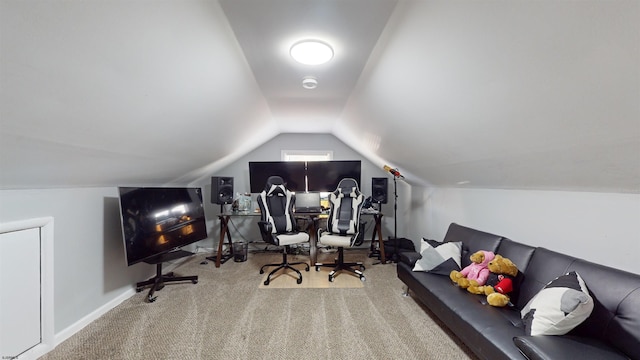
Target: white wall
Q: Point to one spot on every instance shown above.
(90, 269)
(600, 227)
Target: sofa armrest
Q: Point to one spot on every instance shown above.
(409, 257)
(565, 347)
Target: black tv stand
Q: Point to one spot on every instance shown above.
(157, 282)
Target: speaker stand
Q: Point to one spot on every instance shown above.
(394, 257)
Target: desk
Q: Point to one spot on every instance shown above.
(312, 230)
(224, 231)
(377, 231)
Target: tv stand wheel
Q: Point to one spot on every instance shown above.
(299, 281)
(138, 290)
(266, 282)
(152, 298)
(194, 281)
(362, 268)
(362, 278)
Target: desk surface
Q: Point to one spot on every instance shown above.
(241, 213)
(257, 213)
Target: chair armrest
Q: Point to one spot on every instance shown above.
(265, 231)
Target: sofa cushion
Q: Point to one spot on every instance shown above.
(544, 266)
(439, 258)
(559, 307)
(472, 240)
(565, 347)
(520, 255)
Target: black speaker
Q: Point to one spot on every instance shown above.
(379, 190)
(221, 190)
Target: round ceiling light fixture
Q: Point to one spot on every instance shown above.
(311, 52)
(309, 82)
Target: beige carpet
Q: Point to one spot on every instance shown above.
(312, 279)
(226, 316)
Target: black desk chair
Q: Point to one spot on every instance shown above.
(277, 224)
(343, 226)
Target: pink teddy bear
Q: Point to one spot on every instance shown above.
(477, 271)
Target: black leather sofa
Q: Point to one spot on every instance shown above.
(611, 332)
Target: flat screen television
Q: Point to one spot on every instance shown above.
(292, 172)
(325, 175)
(158, 220)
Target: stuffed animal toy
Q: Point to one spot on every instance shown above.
(500, 281)
(475, 273)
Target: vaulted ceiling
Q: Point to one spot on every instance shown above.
(489, 94)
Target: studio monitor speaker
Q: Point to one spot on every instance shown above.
(379, 190)
(221, 190)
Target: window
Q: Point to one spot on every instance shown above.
(307, 155)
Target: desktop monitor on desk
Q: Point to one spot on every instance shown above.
(325, 175)
(292, 172)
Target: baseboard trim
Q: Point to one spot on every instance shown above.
(88, 319)
(63, 335)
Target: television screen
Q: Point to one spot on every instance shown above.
(292, 172)
(156, 221)
(325, 175)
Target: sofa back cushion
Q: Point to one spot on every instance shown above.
(472, 241)
(544, 266)
(519, 254)
(615, 317)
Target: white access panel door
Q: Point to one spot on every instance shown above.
(20, 291)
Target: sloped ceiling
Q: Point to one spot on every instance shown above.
(500, 94)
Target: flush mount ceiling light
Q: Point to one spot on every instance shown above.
(309, 82)
(311, 52)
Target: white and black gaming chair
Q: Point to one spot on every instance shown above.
(343, 225)
(277, 224)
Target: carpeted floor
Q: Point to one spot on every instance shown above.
(227, 316)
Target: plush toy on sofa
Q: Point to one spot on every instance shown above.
(500, 281)
(477, 272)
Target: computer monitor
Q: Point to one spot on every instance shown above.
(292, 172)
(325, 175)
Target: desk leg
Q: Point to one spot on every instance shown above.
(224, 231)
(377, 233)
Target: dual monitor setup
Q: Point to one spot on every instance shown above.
(300, 177)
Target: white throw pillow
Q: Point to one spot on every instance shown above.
(560, 306)
(439, 259)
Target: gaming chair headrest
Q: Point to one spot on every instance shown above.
(347, 185)
(275, 184)
(273, 180)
